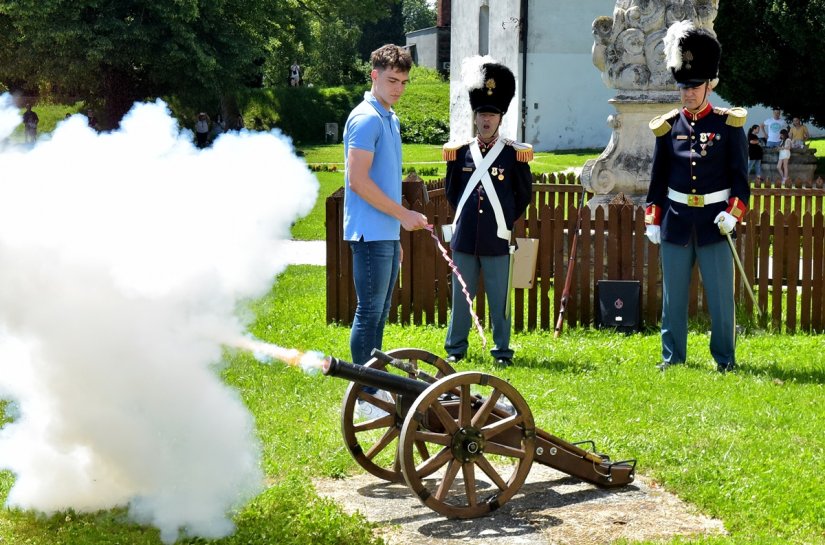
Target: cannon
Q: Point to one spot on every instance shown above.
(440, 423)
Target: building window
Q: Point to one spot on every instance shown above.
(484, 30)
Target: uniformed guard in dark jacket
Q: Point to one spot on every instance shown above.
(489, 185)
(698, 192)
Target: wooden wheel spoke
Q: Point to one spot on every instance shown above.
(480, 418)
(504, 450)
(444, 417)
(385, 421)
(447, 481)
(385, 406)
(491, 472)
(422, 449)
(464, 409)
(470, 483)
(396, 464)
(502, 425)
(382, 443)
(431, 465)
(432, 437)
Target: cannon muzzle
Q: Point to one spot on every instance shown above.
(367, 376)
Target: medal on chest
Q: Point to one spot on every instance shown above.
(706, 140)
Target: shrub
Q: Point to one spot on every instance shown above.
(424, 111)
(302, 112)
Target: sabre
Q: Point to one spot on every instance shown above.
(742, 273)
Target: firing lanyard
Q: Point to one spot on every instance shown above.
(482, 174)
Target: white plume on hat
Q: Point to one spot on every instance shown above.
(675, 33)
(472, 71)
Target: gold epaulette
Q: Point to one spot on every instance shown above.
(524, 151)
(660, 125)
(450, 150)
(736, 117)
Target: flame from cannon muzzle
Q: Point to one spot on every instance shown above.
(309, 362)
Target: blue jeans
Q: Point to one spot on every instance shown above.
(496, 270)
(374, 271)
(757, 163)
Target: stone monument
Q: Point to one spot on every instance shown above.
(629, 51)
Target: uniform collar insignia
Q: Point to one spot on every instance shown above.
(698, 115)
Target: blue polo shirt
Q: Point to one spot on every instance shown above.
(371, 127)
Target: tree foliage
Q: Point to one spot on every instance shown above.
(772, 54)
(417, 15)
(386, 30)
(119, 51)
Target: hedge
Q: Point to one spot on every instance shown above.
(302, 112)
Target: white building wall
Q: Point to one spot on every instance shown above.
(566, 100)
(426, 47)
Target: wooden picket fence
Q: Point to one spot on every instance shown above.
(781, 243)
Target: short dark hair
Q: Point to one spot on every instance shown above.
(391, 56)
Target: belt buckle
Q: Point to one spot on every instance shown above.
(696, 200)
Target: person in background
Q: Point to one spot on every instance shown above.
(771, 128)
(295, 74)
(373, 214)
(755, 152)
(30, 123)
(489, 185)
(798, 133)
(92, 119)
(698, 192)
(784, 155)
(202, 130)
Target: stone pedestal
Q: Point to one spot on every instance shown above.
(624, 165)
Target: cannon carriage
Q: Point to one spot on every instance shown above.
(463, 442)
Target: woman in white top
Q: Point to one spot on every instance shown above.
(784, 154)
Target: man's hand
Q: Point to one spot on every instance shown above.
(412, 220)
(654, 234)
(726, 222)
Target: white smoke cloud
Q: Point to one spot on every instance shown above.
(123, 259)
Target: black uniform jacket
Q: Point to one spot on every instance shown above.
(475, 231)
(698, 155)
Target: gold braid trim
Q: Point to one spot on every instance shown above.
(660, 125)
(524, 152)
(737, 117)
(449, 151)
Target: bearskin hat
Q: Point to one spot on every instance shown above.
(491, 85)
(692, 54)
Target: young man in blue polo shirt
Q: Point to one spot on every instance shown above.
(373, 214)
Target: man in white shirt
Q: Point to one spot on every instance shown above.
(771, 128)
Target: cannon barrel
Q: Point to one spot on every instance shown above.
(367, 376)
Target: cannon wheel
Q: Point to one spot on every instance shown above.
(367, 440)
(466, 432)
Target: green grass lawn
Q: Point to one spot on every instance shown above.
(819, 145)
(49, 115)
(745, 447)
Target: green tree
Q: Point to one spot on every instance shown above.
(417, 15)
(118, 51)
(772, 54)
(389, 29)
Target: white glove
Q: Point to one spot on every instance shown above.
(654, 234)
(726, 222)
